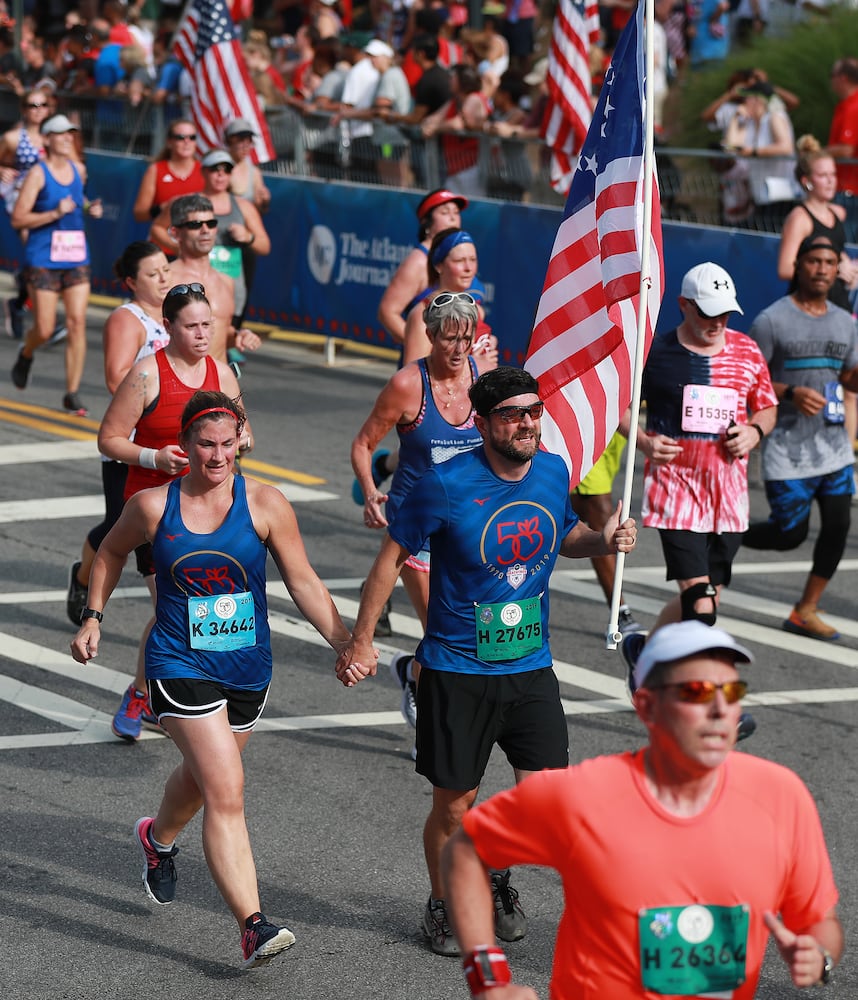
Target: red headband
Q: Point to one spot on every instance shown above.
(204, 413)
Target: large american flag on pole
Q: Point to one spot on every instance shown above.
(582, 347)
(569, 81)
(207, 45)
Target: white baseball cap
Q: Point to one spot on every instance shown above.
(683, 639)
(711, 288)
(58, 125)
(376, 47)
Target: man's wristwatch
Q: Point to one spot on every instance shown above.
(789, 392)
(827, 968)
(91, 613)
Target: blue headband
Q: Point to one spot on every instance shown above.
(447, 244)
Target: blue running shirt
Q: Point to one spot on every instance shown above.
(493, 542)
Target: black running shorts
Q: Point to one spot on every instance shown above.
(192, 698)
(461, 716)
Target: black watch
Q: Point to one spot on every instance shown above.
(90, 613)
(789, 392)
(827, 968)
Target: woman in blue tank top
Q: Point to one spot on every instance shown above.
(51, 207)
(427, 402)
(208, 657)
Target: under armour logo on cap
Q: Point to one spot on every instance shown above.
(712, 288)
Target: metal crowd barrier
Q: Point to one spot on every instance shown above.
(696, 185)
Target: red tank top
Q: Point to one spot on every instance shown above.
(161, 422)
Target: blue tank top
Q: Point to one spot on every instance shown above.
(427, 441)
(200, 580)
(45, 247)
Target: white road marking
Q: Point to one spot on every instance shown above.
(48, 451)
(87, 725)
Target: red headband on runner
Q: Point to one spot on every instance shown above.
(204, 413)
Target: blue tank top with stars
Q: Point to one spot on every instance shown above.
(428, 440)
(211, 619)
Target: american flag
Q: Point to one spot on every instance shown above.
(582, 347)
(568, 113)
(207, 45)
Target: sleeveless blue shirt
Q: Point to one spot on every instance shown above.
(428, 440)
(37, 250)
(228, 561)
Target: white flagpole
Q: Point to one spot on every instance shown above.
(614, 637)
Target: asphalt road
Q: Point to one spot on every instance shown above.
(334, 807)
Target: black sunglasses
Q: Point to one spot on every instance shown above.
(194, 287)
(515, 414)
(179, 136)
(198, 224)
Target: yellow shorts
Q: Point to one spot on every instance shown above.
(600, 479)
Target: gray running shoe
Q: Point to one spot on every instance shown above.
(510, 921)
(436, 929)
(73, 403)
(626, 621)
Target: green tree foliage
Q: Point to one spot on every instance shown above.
(800, 61)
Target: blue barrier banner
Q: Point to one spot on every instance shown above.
(336, 246)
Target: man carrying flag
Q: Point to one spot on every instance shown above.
(207, 45)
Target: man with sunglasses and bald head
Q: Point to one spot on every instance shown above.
(709, 403)
(677, 859)
(496, 517)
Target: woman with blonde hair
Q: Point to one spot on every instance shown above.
(817, 215)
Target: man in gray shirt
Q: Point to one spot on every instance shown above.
(812, 351)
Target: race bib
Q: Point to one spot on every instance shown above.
(708, 409)
(509, 630)
(693, 951)
(68, 246)
(227, 260)
(222, 622)
(835, 408)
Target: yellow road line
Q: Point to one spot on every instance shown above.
(275, 470)
(67, 425)
(43, 425)
(46, 411)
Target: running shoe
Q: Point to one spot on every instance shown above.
(626, 621)
(630, 647)
(262, 940)
(399, 669)
(21, 371)
(510, 921)
(15, 318)
(61, 331)
(159, 871)
(809, 624)
(128, 721)
(383, 628)
(747, 726)
(379, 474)
(76, 596)
(73, 403)
(436, 929)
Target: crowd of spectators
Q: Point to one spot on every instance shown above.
(410, 92)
